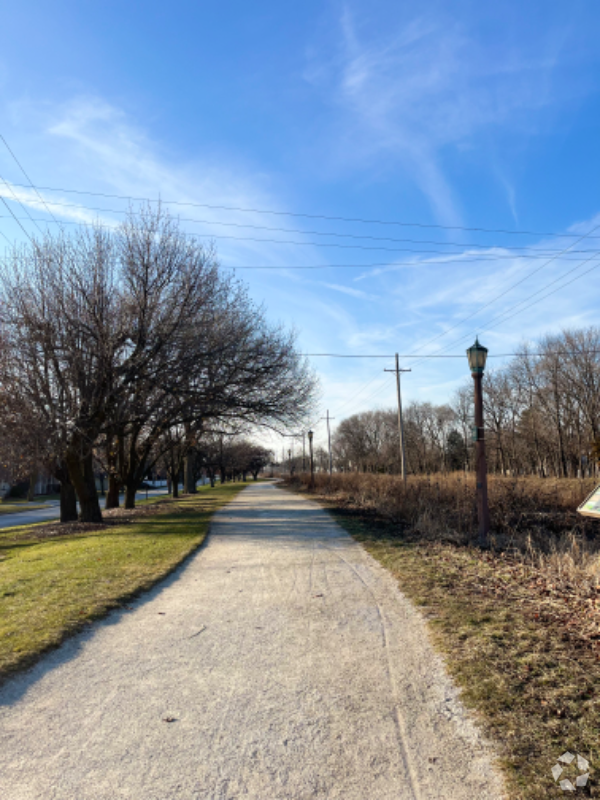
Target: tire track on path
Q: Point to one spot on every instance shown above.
(313, 679)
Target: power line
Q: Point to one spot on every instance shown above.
(380, 389)
(28, 178)
(543, 251)
(302, 214)
(467, 258)
(25, 209)
(337, 410)
(16, 220)
(576, 278)
(502, 316)
(360, 391)
(510, 288)
(341, 355)
(445, 355)
(6, 237)
(296, 243)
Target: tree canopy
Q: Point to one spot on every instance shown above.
(119, 345)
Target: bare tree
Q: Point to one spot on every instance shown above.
(126, 345)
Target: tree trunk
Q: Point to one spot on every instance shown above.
(189, 484)
(68, 502)
(130, 495)
(31, 489)
(68, 498)
(112, 495)
(81, 472)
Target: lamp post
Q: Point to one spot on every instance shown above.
(290, 460)
(477, 355)
(312, 463)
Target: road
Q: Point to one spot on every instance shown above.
(52, 511)
(279, 663)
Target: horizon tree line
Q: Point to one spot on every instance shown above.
(542, 417)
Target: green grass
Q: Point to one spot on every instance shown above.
(50, 587)
(510, 642)
(16, 506)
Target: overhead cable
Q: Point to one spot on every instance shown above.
(304, 215)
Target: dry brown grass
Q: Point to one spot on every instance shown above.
(533, 520)
(519, 624)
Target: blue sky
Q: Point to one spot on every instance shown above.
(436, 117)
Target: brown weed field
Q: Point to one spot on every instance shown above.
(518, 623)
(534, 520)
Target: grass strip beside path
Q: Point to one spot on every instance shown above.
(527, 660)
(11, 507)
(50, 586)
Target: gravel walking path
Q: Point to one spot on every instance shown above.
(280, 663)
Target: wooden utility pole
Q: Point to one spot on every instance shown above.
(303, 451)
(328, 418)
(400, 423)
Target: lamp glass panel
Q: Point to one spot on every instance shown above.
(477, 355)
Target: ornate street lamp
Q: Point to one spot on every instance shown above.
(312, 463)
(477, 355)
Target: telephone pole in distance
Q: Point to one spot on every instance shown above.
(397, 370)
(328, 418)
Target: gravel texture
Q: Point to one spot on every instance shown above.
(281, 662)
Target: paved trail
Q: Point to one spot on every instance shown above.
(290, 663)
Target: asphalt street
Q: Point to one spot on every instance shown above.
(52, 511)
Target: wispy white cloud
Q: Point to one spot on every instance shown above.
(412, 92)
(358, 293)
(586, 226)
(106, 151)
(49, 203)
(511, 195)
